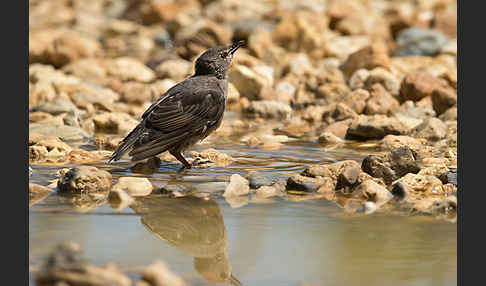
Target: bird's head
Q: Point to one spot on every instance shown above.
(217, 61)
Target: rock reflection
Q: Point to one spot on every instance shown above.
(194, 226)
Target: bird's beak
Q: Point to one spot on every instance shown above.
(235, 46)
(234, 281)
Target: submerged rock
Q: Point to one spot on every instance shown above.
(119, 199)
(84, 179)
(37, 193)
(373, 192)
(136, 187)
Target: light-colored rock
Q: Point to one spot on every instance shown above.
(128, 69)
(268, 109)
(114, 123)
(431, 129)
(371, 191)
(136, 187)
(176, 69)
(37, 193)
(159, 274)
(250, 81)
(391, 142)
(238, 186)
(369, 58)
(47, 148)
(375, 127)
(64, 132)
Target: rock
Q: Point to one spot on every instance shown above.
(119, 199)
(302, 183)
(420, 186)
(84, 96)
(84, 179)
(37, 193)
(268, 109)
(418, 85)
(107, 143)
(443, 99)
(238, 186)
(64, 132)
(368, 208)
(419, 42)
(58, 105)
(446, 206)
(383, 77)
(368, 58)
(80, 155)
(136, 187)
(339, 128)
(47, 148)
(431, 129)
(233, 93)
(393, 165)
(159, 274)
(449, 115)
(114, 123)
(356, 100)
(342, 47)
(137, 93)
(270, 191)
(127, 69)
(343, 174)
(214, 156)
(257, 180)
(408, 109)
(176, 69)
(380, 102)
(67, 266)
(338, 112)
(296, 128)
(60, 47)
(90, 69)
(251, 81)
(375, 127)
(371, 191)
(391, 142)
(328, 138)
(449, 177)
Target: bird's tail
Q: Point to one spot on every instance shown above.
(127, 143)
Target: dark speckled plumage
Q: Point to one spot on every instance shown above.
(187, 113)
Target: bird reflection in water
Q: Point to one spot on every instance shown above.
(194, 226)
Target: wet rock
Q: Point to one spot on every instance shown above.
(338, 112)
(368, 208)
(136, 187)
(446, 206)
(266, 141)
(84, 179)
(114, 123)
(443, 99)
(67, 266)
(391, 142)
(339, 128)
(418, 85)
(257, 180)
(348, 177)
(373, 192)
(127, 69)
(37, 193)
(296, 128)
(275, 190)
(375, 127)
(302, 183)
(175, 190)
(328, 138)
(368, 58)
(381, 102)
(107, 143)
(213, 156)
(64, 132)
(159, 274)
(342, 174)
(421, 185)
(176, 69)
(251, 81)
(431, 129)
(48, 148)
(119, 199)
(268, 109)
(393, 165)
(238, 186)
(419, 42)
(80, 155)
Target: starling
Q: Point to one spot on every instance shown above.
(187, 113)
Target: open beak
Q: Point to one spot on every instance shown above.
(235, 46)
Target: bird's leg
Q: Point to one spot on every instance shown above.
(181, 159)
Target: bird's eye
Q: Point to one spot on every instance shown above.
(223, 55)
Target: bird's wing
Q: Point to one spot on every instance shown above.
(177, 115)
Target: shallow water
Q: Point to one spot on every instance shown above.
(263, 242)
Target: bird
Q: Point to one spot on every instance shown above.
(186, 113)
